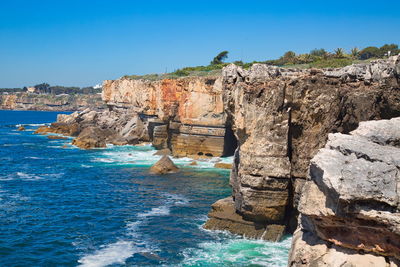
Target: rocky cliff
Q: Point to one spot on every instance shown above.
(281, 118)
(49, 102)
(185, 114)
(277, 120)
(350, 203)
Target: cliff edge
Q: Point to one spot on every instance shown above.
(349, 206)
(281, 118)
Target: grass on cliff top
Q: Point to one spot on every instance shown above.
(316, 58)
(215, 70)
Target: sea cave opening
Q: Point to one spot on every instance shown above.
(230, 142)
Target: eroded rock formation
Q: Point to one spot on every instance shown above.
(186, 114)
(49, 102)
(350, 203)
(281, 118)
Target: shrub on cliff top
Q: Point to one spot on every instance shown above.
(331, 63)
(219, 59)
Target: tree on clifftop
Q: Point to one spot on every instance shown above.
(219, 59)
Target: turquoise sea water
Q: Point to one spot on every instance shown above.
(62, 206)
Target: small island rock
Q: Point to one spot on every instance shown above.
(163, 166)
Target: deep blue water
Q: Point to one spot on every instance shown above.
(63, 206)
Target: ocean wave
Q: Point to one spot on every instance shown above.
(113, 253)
(31, 124)
(144, 156)
(238, 252)
(30, 177)
(159, 211)
(120, 251)
(27, 176)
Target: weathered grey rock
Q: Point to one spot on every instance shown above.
(384, 132)
(282, 117)
(377, 70)
(163, 166)
(311, 251)
(91, 137)
(352, 200)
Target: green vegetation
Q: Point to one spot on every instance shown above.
(316, 58)
(45, 88)
(219, 59)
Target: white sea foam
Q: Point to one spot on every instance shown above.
(113, 253)
(159, 211)
(237, 252)
(143, 156)
(27, 176)
(31, 124)
(120, 251)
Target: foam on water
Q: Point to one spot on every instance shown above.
(114, 253)
(144, 156)
(238, 252)
(32, 124)
(134, 242)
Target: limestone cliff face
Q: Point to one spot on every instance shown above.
(195, 101)
(350, 203)
(281, 118)
(185, 114)
(27, 101)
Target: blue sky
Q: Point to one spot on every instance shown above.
(82, 42)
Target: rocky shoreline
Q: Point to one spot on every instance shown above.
(49, 102)
(274, 121)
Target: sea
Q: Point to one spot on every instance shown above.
(64, 206)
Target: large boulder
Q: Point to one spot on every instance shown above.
(163, 166)
(350, 204)
(223, 216)
(91, 137)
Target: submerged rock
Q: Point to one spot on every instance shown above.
(56, 137)
(163, 166)
(221, 165)
(42, 130)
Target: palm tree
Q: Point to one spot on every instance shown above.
(339, 52)
(354, 52)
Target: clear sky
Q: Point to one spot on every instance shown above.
(82, 42)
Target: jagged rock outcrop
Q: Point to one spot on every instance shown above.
(282, 117)
(350, 204)
(49, 102)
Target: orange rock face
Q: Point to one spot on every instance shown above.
(191, 100)
(189, 112)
